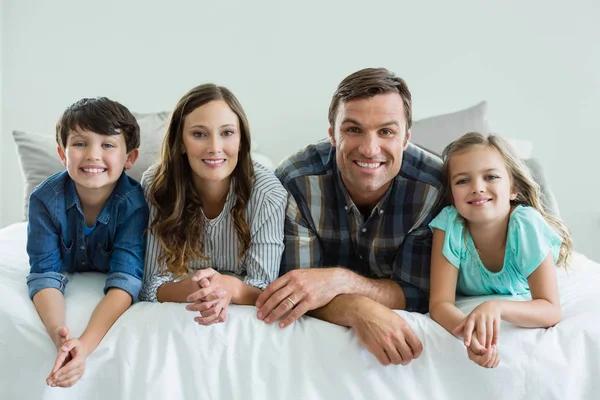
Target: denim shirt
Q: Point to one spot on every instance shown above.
(56, 243)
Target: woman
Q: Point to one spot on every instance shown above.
(216, 218)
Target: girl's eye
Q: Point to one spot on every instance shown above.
(491, 177)
(461, 182)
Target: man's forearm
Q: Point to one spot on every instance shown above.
(384, 291)
(340, 310)
(110, 308)
(50, 305)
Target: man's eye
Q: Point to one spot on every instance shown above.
(353, 129)
(387, 132)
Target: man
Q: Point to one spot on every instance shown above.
(357, 239)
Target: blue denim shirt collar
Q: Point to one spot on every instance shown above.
(72, 198)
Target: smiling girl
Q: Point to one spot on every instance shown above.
(495, 238)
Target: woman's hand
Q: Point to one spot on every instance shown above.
(212, 297)
(484, 322)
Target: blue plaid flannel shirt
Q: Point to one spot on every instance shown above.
(324, 228)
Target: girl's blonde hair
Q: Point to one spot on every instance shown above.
(528, 191)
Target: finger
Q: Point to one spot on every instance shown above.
(394, 355)
(204, 282)
(477, 347)
(271, 289)
(491, 359)
(218, 295)
(496, 331)
(61, 378)
(280, 310)
(405, 352)
(414, 343)
(481, 330)
(468, 330)
(380, 354)
(202, 293)
(277, 300)
(223, 315)
(203, 273)
(64, 333)
(207, 320)
(459, 329)
(201, 306)
(297, 312)
(61, 359)
(68, 382)
(489, 333)
(497, 358)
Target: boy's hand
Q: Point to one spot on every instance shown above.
(69, 365)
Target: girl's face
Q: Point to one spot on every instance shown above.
(481, 185)
(211, 142)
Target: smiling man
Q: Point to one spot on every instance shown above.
(356, 232)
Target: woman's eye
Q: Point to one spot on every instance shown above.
(227, 133)
(198, 134)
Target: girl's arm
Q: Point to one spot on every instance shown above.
(443, 286)
(543, 310)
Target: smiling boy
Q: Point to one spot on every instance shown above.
(90, 217)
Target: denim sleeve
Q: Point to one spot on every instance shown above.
(126, 268)
(43, 241)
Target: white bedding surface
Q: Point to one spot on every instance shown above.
(157, 351)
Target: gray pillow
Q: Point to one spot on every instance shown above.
(434, 133)
(39, 159)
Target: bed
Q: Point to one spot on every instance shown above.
(156, 350)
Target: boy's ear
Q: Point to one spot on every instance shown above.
(62, 155)
(132, 157)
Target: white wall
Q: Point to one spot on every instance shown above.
(536, 62)
(2, 25)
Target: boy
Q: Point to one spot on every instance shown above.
(90, 217)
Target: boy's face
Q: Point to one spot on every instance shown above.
(95, 161)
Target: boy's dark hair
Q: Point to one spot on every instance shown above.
(99, 115)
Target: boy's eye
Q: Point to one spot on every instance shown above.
(108, 145)
(79, 144)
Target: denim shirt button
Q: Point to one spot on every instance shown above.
(82, 247)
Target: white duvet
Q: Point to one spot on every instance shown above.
(157, 351)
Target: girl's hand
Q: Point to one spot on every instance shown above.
(480, 356)
(213, 297)
(484, 321)
(69, 365)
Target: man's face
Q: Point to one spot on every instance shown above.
(370, 136)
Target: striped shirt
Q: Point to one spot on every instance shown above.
(265, 215)
(324, 228)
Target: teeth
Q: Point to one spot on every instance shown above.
(214, 161)
(93, 170)
(479, 201)
(368, 165)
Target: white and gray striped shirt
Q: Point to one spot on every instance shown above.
(265, 214)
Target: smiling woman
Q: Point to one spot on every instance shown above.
(216, 225)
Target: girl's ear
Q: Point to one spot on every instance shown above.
(513, 196)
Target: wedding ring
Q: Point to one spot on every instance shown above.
(291, 301)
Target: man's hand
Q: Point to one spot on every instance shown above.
(212, 296)
(296, 293)
(69, 365)
(385, 333)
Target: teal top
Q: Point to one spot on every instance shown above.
(529, 241)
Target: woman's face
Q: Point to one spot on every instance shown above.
(211, 141)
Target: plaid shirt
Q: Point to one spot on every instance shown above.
(324, 228)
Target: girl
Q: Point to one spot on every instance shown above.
(495, 238)
(216, 224)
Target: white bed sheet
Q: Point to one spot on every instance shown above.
(157, 351)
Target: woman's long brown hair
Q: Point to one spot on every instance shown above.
(178, 223)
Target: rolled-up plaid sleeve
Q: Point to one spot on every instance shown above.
(302, 247)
